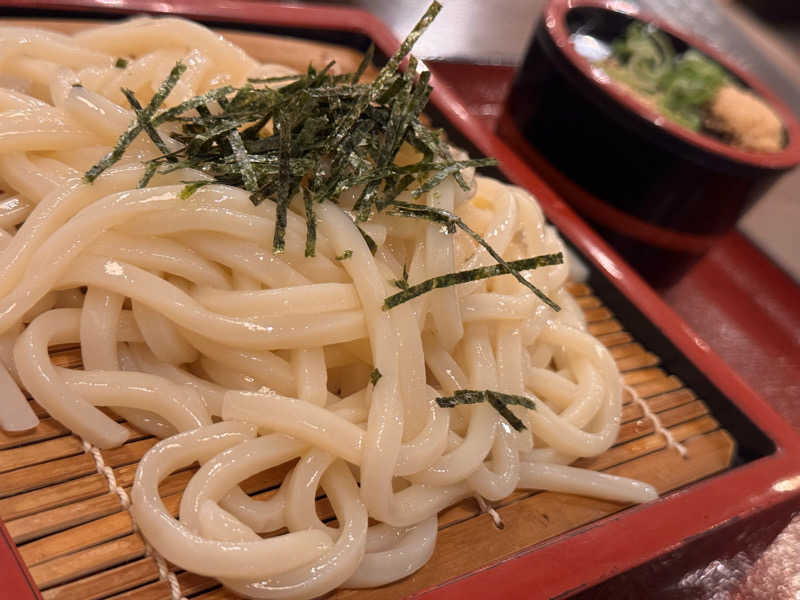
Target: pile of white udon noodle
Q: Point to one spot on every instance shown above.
(192, 329)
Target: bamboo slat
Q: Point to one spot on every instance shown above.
(625, 350)
(604, 327)
(218, 594)
(615, 337)
(83, 536)
(63, 517)
(648, 443)
(190, 584)
(86, 562)
(46, 429)
(32, 454)
(599, 313)
(82, 511)
(586, 302)
(637, 361)
(643, 375)
(26, 456)
(652, 387)
(71, 467)
(107, 582)
(579, 290)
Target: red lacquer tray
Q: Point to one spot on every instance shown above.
(766, 484)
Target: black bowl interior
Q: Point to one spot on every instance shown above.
(605, 25)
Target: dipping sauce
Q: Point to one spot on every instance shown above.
(688, 88)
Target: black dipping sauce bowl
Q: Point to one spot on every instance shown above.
(660, 193)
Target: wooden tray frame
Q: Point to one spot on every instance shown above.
(602, 549)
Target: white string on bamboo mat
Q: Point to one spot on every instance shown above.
(488, 509)
(657, 425)
(164, 574)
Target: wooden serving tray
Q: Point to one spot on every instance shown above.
(79, 543)
(74, 540)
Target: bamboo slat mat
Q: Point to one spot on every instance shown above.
(79, 543)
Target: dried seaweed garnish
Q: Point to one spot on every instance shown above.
(451, 221)
(135, 128)
(144, 122)
(274, 79)
(283, 129)
(373, 247)
(401, 283)
(196, 102)
(409, 292)
(242, 159)
(319, 135)
(149, 172)
(366, 61)
(120, 63)
(375, 376)
(498, 400)
(311, 227)
(192, 186)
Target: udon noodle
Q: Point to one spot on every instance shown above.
(192, 329)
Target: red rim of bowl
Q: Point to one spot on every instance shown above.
(556, 24)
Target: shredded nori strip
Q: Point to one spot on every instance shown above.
(402, 283)
(145, 122)
(365, 62)
(273, 79)
(311, 227)
(373, 247)
(196, 102)
(243, 161)
(451, 221)
(133, 130)
(191, 187)
(149, 172)
(344, 255)
(459, 277)
(284, 137)
(498, 400)
(374, 376)
(121, 63)
(504, 411)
